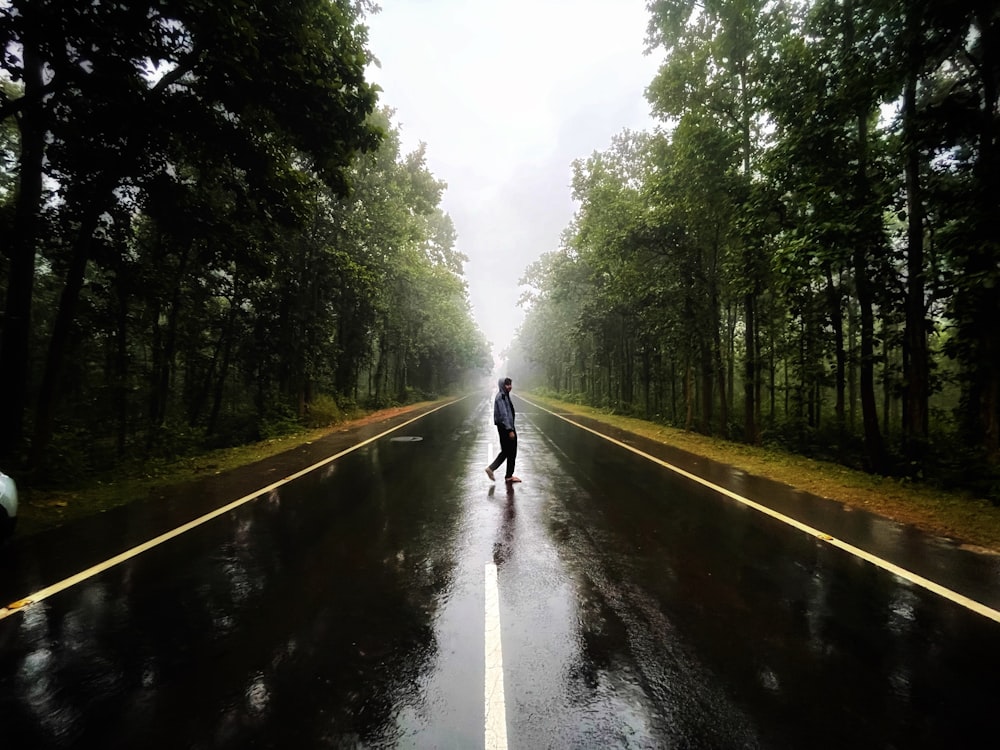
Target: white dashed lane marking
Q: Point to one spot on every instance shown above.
(496, 710)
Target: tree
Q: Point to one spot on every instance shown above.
(107, 88)
(964, 112)
(712, 71)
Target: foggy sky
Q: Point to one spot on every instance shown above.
(506, 95)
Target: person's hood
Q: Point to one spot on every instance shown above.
(500, 385)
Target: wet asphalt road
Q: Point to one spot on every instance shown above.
(637, 609)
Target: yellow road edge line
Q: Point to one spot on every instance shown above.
(908, 575)
(21, 604)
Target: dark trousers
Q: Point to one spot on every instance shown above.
(508, 450)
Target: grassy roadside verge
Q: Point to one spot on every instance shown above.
(973, 521)
(40, 509)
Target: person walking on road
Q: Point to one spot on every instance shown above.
(503, 418)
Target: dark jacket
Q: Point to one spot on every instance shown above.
(503, 409)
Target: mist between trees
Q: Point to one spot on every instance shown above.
(807, 251)
(209, 234)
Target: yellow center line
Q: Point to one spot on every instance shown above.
(954, 596)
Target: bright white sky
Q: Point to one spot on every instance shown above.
(506, 94)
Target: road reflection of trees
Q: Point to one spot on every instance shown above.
(305, 621)
(742, 628)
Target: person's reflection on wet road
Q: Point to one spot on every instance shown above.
(503, 548)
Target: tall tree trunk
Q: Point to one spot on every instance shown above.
(887, 420)
(200, 384)
(800, 384)
(688, 396)
(707, 387)
(874, 449)
(161, 375)
(984, 409)
(156, 363)
(852, 370)
(609, 397)
(772, 370)
(835, 312)
(916, 370)
(751, 375)
(864, 245)
(121, 362)
(381, 366)
(75, 275)
(647, 376)
(628, 369)
(220, 383)
(750, 371)
(15, 345)
(673, 391)
(718, 364)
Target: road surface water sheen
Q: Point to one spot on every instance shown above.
(347, 608)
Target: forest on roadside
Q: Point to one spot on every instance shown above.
(806, 251)
(209, 233)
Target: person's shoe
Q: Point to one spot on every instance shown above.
(489, 472)
(512, 479)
